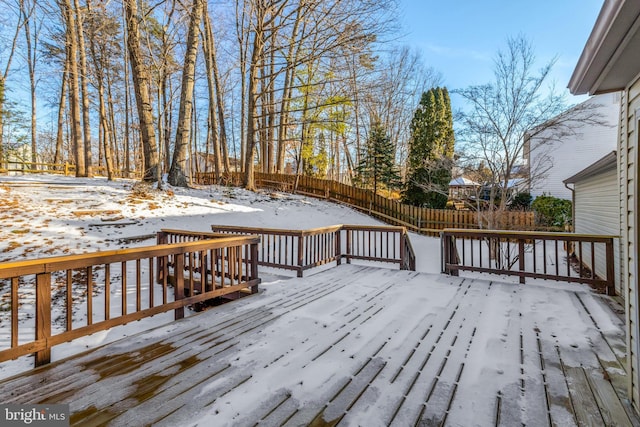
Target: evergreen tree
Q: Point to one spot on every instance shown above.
(377, 164)
(430, 151)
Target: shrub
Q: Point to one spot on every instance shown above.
(521, 202)
(551, 211)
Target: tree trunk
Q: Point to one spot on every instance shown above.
(177, 175)
(104, 121)
(252, 96)
(28, 17)
(57, 158)
(213, 134)
(84, 89)
(74, 89)
(141, 84)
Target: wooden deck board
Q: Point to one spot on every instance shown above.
(336, 349)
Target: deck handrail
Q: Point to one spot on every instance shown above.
(217, 266)
(300, 250)
(462, 249)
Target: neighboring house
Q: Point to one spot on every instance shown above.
(553, 161)
(596, 210)
(463, 188)
(15, 156)
(610, 62)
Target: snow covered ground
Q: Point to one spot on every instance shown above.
(49, 215)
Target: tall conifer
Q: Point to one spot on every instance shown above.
(377, 164)
(430, 151)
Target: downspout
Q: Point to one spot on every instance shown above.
(573, 205)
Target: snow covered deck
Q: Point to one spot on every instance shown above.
(358, 345)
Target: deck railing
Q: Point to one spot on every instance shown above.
(67, 289)
(529, 254)
(300, 250)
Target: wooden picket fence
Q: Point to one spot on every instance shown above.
(421, 220)
(65, 169)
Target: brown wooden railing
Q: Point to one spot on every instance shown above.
(131, 289)
(300, 250)
(421, 220)
(528, 254)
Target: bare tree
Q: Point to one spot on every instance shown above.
(141, 85)
(8, 60)
(74, 88)
(82, 54)
(177, 173)
(31, 32)
(503, 115)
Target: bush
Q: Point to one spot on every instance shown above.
(551, 211)
(521, 202)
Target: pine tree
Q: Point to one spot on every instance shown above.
(377, 164)
(430, 151)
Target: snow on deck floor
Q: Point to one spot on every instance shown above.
(357, 345)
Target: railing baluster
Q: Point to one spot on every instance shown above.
(580, 268)
(138, 286)
(15, 281)
(544, 256)
(568, 245)
(557, 263)
(521, 265)
(593, 261)
(533, 248)
(107, 290)
(69, 302)
(178, 273)
(89, 273)
(123, 267)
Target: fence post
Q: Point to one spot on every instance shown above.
(348, 254)
(66, 168)
(611, 282)
(521, 258)
(178, 272)
(43, 317)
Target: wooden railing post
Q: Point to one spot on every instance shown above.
(348, 251)
(161, 261)
(43, 317)
(444, 253)
(611, 281)
(178, 273)
(403, 254)
(521, 259)
(300, 253)
(254, 266)
(338, 248)
(450, 256)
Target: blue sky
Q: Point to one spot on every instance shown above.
(460, 38)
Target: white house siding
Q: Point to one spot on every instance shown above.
(597, 211)
(629, 161)
(569, 156)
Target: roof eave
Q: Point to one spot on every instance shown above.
(612, 39)
(605, 163)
